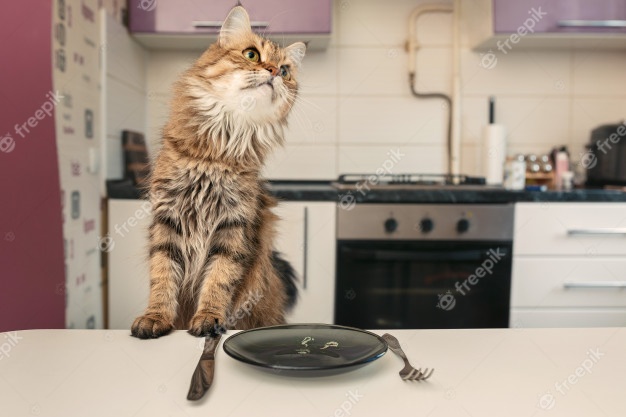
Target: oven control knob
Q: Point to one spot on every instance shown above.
(462, 226)
(426, 225)
(391, 225)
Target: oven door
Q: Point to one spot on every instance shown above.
(423, 285)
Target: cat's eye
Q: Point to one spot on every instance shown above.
(251, 54)
(284, 72)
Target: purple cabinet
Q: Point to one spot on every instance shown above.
(560, 16)
(205, 16)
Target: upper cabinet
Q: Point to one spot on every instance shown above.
(578, 24)
(175, 24)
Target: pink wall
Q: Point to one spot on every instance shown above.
(31, 241)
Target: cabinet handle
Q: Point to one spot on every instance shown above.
(599, 284)
(600, 232)
(592, 23)
(216, 24)
(305, 247)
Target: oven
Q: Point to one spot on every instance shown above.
(420, 266)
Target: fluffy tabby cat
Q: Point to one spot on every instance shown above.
(211, 261)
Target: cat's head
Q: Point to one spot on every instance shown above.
(251, 79)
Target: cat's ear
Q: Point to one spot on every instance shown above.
(237, 23)
(295, 52)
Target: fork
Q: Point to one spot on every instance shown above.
(408, 373)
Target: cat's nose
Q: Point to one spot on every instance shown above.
(272, 69)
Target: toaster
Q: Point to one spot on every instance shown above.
(605, 156)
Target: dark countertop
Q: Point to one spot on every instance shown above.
(319, 191)
(324, 191)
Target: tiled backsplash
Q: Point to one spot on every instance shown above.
(356, 106)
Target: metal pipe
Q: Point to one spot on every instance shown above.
(412, 46)
(455, 154)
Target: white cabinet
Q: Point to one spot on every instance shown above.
(128, 281)
(568, 229)
(569, 265)
(306, 238)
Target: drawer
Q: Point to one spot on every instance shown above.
(567, 317)
(570, 229)
(566, 282)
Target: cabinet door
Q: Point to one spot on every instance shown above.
(567, 317)
(583, 229)
(306, 238)
(560, 16)
(568, 282)
(270, 16)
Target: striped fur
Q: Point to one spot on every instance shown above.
(211, 258)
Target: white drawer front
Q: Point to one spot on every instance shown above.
(568, 282)
(570, 229)
(564, 317)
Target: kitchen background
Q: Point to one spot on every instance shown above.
(355, 108)
(356, 104)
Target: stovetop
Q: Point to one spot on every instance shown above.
(409, 181)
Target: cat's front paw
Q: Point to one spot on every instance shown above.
(206, 324)
(151, 326)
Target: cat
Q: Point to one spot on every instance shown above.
(212, 264)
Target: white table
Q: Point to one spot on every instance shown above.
(507, 372)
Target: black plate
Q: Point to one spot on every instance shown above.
(306, 348)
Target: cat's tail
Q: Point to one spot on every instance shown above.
(287, 276)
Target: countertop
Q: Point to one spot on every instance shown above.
(319, 191)
(324, 191)
(487, 372)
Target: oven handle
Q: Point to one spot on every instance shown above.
(394, 255)
(305, 248)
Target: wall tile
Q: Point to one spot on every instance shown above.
(379, 23)
(544, 73)
(380, 120)
(313, 120)
(599, 73)
(471, 163)
(318, 75)
(589, 113)
(158, 113)
(126, 108)
(366, 159)
(126, 60)
(366, 71)
(165, 67)
(528, 120)
(302, 162)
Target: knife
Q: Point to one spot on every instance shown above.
(203, 375)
